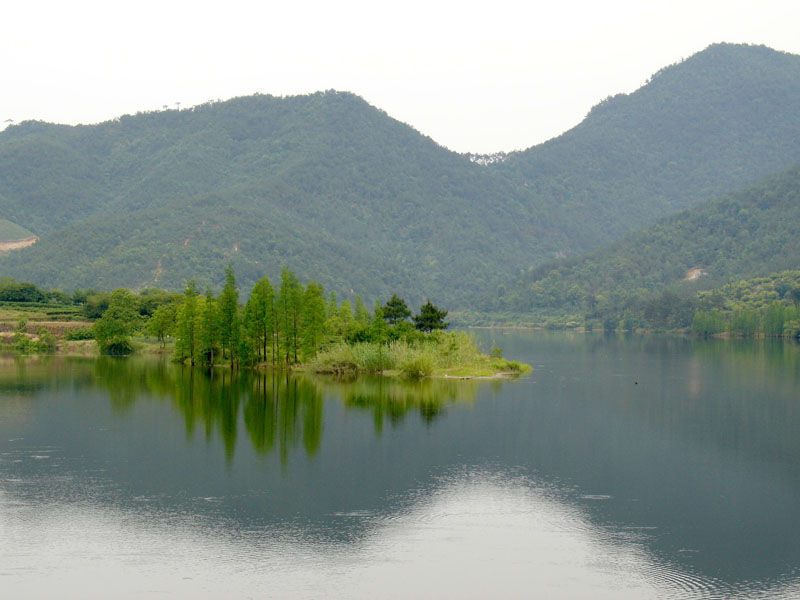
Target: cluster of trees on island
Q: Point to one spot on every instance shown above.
(284, 325)
(287, 324)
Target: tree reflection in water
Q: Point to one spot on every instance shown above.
(279, 410)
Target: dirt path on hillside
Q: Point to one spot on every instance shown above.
(17, 244)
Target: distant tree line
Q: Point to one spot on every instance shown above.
(279, 324)
(765, 306)
(776, 320)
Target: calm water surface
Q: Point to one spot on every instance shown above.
(621, 468)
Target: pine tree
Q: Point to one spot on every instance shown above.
(395, 310)
(430, 318)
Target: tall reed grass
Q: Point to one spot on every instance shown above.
(441, 352)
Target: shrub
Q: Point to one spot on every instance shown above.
(337, 359)
(373, 358)
(417, 365)
(46, 341)
(119, 348)
(83, 333)
(345, 358)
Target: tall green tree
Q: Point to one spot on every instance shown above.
(209, 332)
(333, 306)
(313, 318)
(229, 314)
(794, 296)
(345, 312)
(262, 314)
(379, 329)
(395, 310)
(114, 329)
(290, 300)
(187, 326)
(430, 318)
(362, 315)
(162, 323)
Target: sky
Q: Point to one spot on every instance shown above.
(474, 76)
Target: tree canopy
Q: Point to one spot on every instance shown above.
(430, 318)
(114, 329)
(395, 310)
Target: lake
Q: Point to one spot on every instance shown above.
(622, 467)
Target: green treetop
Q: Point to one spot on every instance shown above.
(187, 325)
(395, 310)
(290, 299)
(313, 318)
(430, 318)
(262, 315)
(113, 330)
(362, 315)
(229, 314)
(162, 323)
(209, 333)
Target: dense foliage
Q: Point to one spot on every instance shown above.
(737, 236)
(281, 325)
(336, 190)
(326, 184)
(768, 306)
(716, 122)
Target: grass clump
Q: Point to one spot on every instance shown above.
(439, 354)
(417, 365)
(339, 359)
(343, 358)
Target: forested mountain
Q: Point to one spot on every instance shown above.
(333, 188)
(325, 184)
(741, 235)
(718, 121)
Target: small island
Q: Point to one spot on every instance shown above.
(290, 326)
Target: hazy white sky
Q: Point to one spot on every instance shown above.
(480, 77)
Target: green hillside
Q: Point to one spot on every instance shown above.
(11, 232)
(333, 188)
(741, 235)
(714, 123)
(325, 184)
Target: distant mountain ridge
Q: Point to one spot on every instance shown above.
(742, 235)
(718, 121)
(335, 189)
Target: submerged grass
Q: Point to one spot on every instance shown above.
(453, 354)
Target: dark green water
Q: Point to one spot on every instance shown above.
(621, 468)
